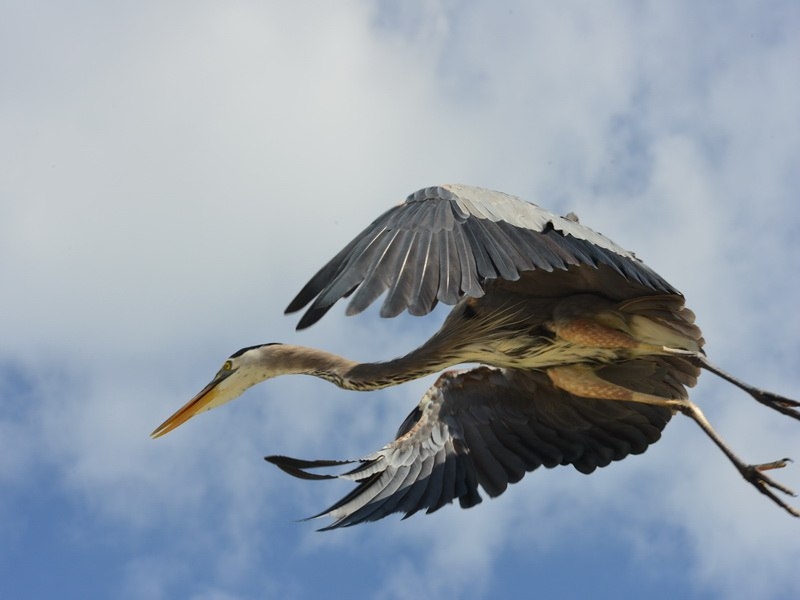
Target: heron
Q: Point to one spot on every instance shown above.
(583, 354)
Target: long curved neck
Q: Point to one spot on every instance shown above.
(373, 376)
(352, 375)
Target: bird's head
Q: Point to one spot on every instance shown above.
(242, 369)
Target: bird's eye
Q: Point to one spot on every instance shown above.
(227, 366)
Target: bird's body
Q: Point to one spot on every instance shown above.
(590, 352)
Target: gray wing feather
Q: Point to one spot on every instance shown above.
(486, 428)
(500, 251)
(470, 282)
(429, 278)
(401, 293)
(446, 242)
(488, 471)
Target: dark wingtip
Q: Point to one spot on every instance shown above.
(296, 304)
(297, 467)
(311, 316)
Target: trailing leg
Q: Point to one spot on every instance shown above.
(752, 473)
(784, 405)
(583, 380)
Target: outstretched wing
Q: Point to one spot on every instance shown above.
(445, 242)
(489, 427)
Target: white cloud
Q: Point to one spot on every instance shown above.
(173, 176)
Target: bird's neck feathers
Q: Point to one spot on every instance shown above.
(285, 359)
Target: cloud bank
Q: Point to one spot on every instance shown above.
(173, 175)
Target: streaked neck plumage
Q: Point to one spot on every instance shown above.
(285, 359)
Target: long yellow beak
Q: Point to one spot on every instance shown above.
(194, 406)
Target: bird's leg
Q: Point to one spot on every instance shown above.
(784, 405)
(752, 473)
(581, 380)
(587, 330)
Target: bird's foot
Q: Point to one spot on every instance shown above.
(755, 475)
(784, 405)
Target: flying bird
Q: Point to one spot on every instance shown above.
(584, 354)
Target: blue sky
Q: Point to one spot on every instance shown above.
(174, 172)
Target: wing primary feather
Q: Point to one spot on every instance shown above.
(324, 275)
(355, 271)
(470, 280)
(413, 502)
(503, 264)
(483, 263)
(490, 473)
(536, 253)
(511, 463)
(379, 277)
(511, 245)
(400, 294)
(424, 297)
(433, 490)
(357, 496)
(448, 491)
(339, 262)
(548, 445)
(416, 495)
(449, 270)
(297, 467)
(510, 440)
(345, 280)
(466, 475)
(398, 501)
(372, 508)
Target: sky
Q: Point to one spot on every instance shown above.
(174, 172)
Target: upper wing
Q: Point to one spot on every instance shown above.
(447, 241)
(488, 427)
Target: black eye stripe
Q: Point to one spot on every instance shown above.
(243, 350)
